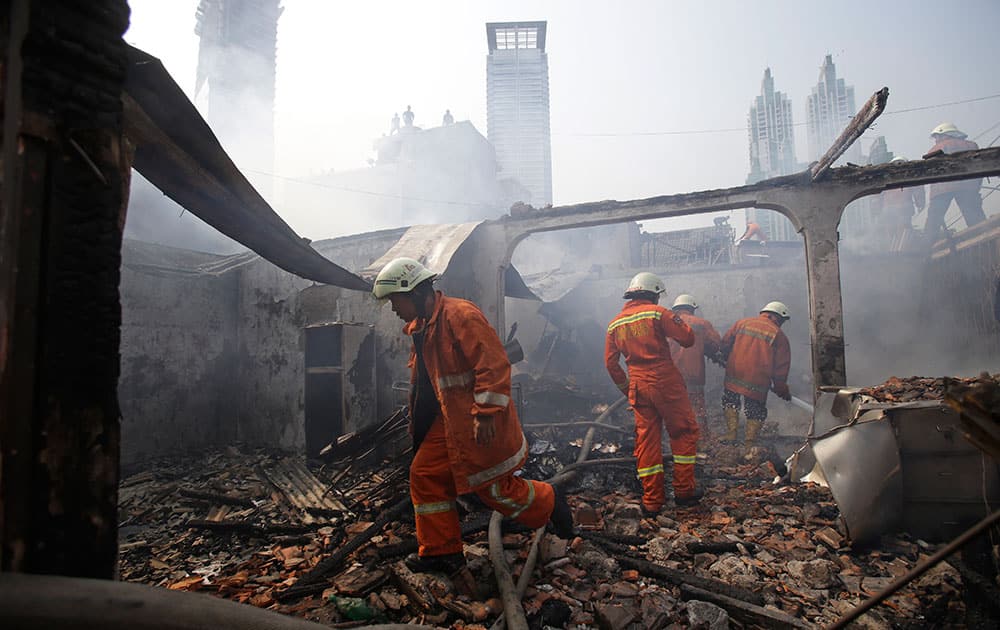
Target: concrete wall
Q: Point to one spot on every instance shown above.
(179, 364)
(725, 294)
(273, 309)
(211, 359)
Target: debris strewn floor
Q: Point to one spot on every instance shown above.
(263, 529)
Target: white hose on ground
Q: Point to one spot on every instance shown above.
(532, 559)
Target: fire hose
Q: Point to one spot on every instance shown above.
(513, 613)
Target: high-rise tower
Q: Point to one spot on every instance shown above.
(236, 62)
(772, 152)
(517, 105)
(828, 110)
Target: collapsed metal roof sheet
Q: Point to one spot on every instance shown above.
(177, 151)
(431, 245)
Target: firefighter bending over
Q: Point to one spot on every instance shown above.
(655, 389)
(948, 139)
(467, 437)
(691, 361)
(758, 358)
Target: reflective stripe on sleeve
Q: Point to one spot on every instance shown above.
(456, 380)
(492, 398)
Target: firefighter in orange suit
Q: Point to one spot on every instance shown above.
(948, 139)
(691, 361)
(467, 437)
(758, 359)
(655, 389)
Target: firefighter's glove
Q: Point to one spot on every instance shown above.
(484, 428)
(624, 389)
(717, 359)
(781, 389)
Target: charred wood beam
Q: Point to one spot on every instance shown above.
(64, 191)
(215, 497)
(744, 611)
(681, 579)
(336, 560)
(861, 121)
(247, 527)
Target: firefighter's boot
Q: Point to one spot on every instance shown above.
(732, 424)
(753, 429)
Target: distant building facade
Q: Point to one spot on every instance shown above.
(442, 174)
(236, 63)
(772, 152)
(517, 106)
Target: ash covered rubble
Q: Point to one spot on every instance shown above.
(325, 543)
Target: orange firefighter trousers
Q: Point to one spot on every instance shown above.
(657, 406)
(432, 490)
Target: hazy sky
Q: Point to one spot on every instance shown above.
(625, 68)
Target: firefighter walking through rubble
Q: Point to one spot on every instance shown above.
(691, 361)
(655, 389)
(758, 358)
(467, 437)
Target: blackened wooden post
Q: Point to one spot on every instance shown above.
(64, 190)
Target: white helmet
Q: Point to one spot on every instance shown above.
(687, 300)
(645, 281)
(400, 276)
(898, 158)
(947, 129)
(777, 308)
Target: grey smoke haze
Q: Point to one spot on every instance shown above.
(344, 68)
(656, 67)
(155, 218)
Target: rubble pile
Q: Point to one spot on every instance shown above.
(896, 390)
(752, 554)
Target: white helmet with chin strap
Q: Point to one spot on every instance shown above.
(644, 282)
(947, 129)
(778, 308)
(400, 276)
(687, 300)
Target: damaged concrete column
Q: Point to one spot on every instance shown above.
(64, 189)
(816, 214)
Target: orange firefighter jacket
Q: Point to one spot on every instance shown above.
(752, 230)
(759, 354)
(953, 145)
(641, 333)
(691, 361)
(470, 373)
